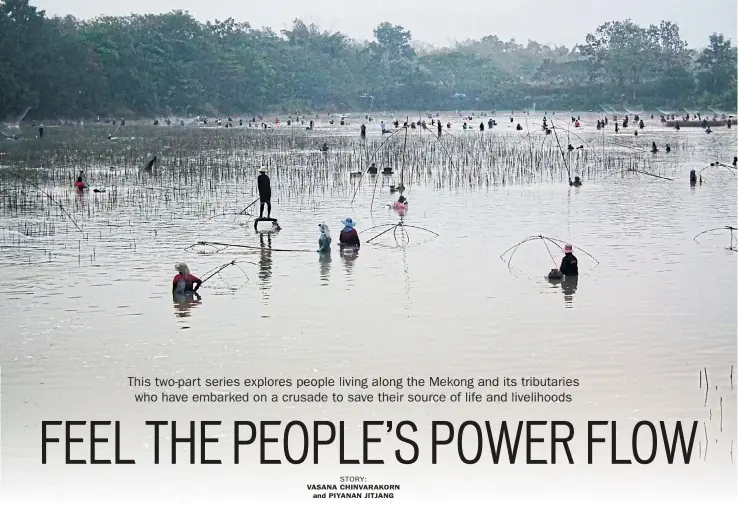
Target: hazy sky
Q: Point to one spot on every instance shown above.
(442, 22)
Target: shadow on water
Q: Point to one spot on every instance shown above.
(184, 303)
(568, 287)
(325, 267)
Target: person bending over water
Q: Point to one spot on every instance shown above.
(576, 182)
(569, 267)
(184, 281)
(349, 236)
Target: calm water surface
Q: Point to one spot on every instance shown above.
(637, 329)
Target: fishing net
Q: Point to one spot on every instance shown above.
(226, 277)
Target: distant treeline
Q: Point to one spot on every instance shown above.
(171, 64)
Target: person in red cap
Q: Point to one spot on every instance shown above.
(569, 266)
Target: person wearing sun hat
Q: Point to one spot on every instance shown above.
(569, 266)
(184, 281)
(265, 192)
(349, 236)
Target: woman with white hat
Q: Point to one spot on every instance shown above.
(324, 242)
(184, 281)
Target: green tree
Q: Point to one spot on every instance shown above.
(717, 66)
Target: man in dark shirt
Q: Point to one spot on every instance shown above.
(265, 193)
(569, 267)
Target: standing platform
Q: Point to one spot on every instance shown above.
(265, 220)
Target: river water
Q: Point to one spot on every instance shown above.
(640, 329)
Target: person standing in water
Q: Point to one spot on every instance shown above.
(324, 241)
(150, 164)
(349, 236)
(569, 266)
(41, 131)
(184, 281)
(80, 183)
(265, 193)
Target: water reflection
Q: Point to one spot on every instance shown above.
(349, 255)
(184, 302)
(265, 261)
(325, 267)
(568, 287)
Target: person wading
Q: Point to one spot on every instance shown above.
(265, 193)
(184, 281)
(569, 267)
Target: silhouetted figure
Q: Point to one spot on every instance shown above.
(569, 266)
(576, 182)
(363, 131)
(265, 193)
(668, 148)
(150, 164)
(372, 169)
(692, 177)
(41, 131)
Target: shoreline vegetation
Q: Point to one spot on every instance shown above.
(164, 65)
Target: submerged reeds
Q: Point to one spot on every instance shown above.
(203, 172)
